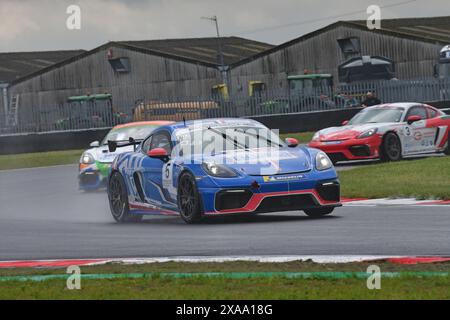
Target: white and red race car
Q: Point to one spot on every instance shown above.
(387, 131)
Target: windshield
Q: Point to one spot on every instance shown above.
(124, 133)
(377, 115)
(222, 139)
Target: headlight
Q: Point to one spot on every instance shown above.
(87, 158)
(218, 170)
(316, 136)
(368, 133)
(323, 162)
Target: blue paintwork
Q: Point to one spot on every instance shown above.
(100, 181)
(159, 200)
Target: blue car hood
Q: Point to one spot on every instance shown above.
(266, 161)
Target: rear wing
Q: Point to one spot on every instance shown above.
(113, 145)
(446, 110)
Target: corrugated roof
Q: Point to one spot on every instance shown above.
(204, 49)
(15, 65)
(433, 28)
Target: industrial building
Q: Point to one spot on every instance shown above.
(411, 45)
(130, 71)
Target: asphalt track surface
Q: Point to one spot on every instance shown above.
(44, 216)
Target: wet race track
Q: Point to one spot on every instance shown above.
(44, 216)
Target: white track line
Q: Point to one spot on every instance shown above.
(394, 202)
(264, 259)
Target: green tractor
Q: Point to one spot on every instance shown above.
(89, 111)
(311, 91)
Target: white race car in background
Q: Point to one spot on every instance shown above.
(387, 131)
(95, 162)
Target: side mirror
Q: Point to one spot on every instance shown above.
(412, 119)
(291, 142)
(112, 146)
(345, 122)
(94, 144)
(158, 153)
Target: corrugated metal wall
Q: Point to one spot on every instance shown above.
(321, 54)
(155, 78)
(151, 78)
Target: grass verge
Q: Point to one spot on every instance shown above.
(406, 286)
(39, 159)
(302, 137)
(422, 179)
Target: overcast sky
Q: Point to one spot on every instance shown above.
(27, 25)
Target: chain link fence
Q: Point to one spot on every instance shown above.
(92, 114)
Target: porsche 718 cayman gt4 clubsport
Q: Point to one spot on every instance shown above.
(387, 131)
(219, 167)
(94, 163)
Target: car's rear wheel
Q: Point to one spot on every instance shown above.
(189, 202)
(318, 212)
(118, 200)
(390, 149)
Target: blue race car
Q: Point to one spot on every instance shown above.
(219, 166)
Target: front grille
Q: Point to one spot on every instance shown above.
(88, 179)
(329, 191)
(360, 151)
(232, 199)
(286, 203)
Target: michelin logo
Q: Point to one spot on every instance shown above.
(282, 178)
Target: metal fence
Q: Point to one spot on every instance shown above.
(70, 116)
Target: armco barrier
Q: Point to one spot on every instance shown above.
(50, 141)
(286, 123)
(306, 121)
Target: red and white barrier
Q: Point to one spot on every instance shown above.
(267, 259)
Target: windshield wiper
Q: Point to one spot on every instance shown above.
(226, 137)
(257, 136)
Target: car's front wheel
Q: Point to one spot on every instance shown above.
(318, 212)
(118, 200)
(189, 202)
(391, 148)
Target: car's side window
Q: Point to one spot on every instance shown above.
(161, 140)
(146, 144)
(432, 113)
(417, 111)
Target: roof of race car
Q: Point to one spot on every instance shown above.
(215, 122)
(405, 105)
(143, 123)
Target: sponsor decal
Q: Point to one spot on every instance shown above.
(418, 135)
(283, 178)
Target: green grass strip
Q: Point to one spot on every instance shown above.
(227, 275)
(39, 159)
(404, 179)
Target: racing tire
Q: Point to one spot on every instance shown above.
(189, 202)
(318, 212)
(118, 200)
(391, 148)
